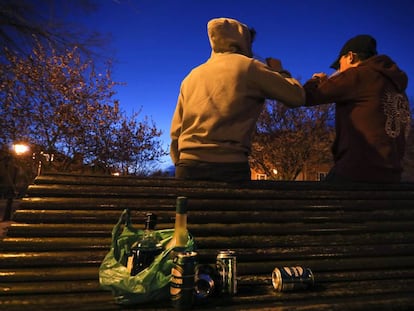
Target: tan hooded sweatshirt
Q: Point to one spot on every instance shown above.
(220, 100)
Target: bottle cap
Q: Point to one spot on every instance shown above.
(151, 221)
(181, 205)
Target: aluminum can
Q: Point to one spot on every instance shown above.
(226, 264)
(207, 281)
(183, 280)
(292, 278)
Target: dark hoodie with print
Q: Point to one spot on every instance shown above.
(372, 119)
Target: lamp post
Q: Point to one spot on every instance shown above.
(24, 166)
(18, 149)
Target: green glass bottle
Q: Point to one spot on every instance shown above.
(143, 252)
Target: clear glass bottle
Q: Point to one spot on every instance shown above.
(143, 252)
(180, 236)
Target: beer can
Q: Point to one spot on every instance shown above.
(292, 278)
(182, 280)
(207, 281)
(226, 264)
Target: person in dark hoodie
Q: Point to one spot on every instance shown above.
(372, 115)
(219, 103)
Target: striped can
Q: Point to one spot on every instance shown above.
(292, 278)
(182, 280)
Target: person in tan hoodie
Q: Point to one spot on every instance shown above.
(219, 103)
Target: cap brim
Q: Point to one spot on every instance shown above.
(335, 64)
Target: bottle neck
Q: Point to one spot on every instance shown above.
(151, 221)
(181, 220)
(149, 227)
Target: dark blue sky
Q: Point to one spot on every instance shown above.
(157, 42)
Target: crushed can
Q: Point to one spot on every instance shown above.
(292, 278)
(207, 282)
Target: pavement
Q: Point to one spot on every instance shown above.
(5, 223)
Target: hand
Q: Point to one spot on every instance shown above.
(320, 75)
(274, 63)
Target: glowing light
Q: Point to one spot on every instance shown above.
(20, 149)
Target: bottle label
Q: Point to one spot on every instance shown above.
(180, 282)
(176, 282)
(130, 263)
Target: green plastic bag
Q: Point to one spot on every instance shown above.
(152, 283)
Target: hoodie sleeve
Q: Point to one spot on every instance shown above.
(339, 88)
(278, 86)
(175, 130)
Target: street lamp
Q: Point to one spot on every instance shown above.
(20, 149)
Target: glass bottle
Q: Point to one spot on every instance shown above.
(180, 236)
(144, 251)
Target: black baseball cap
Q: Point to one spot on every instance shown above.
(365, 44)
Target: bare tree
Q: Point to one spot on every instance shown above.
(23, 23)
(137, 146)
(287, 141)
(63, 105)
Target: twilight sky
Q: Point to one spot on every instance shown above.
(157, 42)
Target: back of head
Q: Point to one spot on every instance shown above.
(228, 35)
(364, 46)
